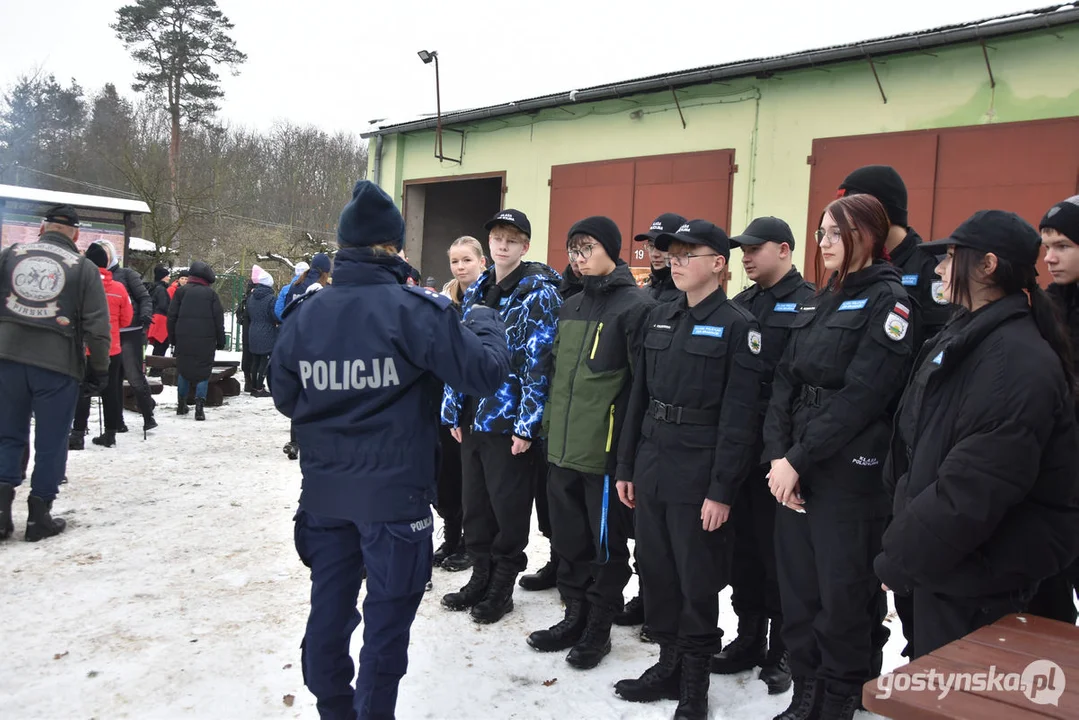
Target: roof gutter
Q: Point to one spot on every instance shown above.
(797, 61)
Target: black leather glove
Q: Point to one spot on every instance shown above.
(94, 383)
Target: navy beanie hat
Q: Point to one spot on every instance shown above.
(370, 219)
(604, 230)
(320, 263)
(160, 273)
(883, 183)
(1064, 218)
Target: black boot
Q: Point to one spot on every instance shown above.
(106, 439)
(806, 702)
(200, 409)
(693, 698)
(839, 705)
(76, 440)
(148, 424)
(40, 523)
(746, 651)
(460, 560)
(122, 429)
(473, 591)
(595, 643)
(776, 670)
(446, 549)
(633, 614)
(543, 579)
(7, 497)
(181, 405)
(662, 681)
(646, 635)
(292, 450)
(566, 633)
(499, 598)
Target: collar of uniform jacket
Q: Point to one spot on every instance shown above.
(704, 308)
(879, 270)
(905, 249)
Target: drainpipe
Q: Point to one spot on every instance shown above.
(376, 168)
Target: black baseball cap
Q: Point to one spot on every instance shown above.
(513, 218)
(62, 215)
(1004, 234)
(697, 232)
(765, 229)
(665, 223)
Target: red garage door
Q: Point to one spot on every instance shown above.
(952, 172)
(632, 192)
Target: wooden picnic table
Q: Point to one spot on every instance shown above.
(1005, 648)
(222, 382)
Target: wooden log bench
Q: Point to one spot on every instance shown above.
(222, 382)
(1022, 667)
(156, 387)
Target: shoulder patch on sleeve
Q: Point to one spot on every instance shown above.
(429, 295)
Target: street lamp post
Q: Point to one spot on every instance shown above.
(427, 56)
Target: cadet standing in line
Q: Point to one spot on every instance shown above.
(930, 311)
(768, 257)
(685, 451)
(985, 458)
(1060, 236)
(826, 436)
(599, 336)
(361, 405)
(496, 430)
(660, 283)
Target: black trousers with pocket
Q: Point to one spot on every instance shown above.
(450, 488)
(682, 571)
(941, 619)
(829, 593)
(754, 587)
(497, 498)
(590, 566)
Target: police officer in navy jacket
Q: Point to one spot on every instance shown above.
(359, 368)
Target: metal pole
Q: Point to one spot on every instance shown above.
(438, 106)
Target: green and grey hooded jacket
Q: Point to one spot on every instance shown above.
(599, 336)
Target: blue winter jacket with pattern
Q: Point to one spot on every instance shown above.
(530, 314)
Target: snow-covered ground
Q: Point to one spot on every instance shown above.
(176, 593)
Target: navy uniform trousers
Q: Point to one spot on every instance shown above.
(397, 557)
(50, 397)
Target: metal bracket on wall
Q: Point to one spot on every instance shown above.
(678, 105)
(438, 149)
(877, 78)
(985, 54)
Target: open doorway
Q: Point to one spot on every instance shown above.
(440, 210)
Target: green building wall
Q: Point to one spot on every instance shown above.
(770, 123)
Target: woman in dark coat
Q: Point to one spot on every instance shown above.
(984, 465)
(197, 328)
(261, 328)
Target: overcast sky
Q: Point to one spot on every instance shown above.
(340, 63)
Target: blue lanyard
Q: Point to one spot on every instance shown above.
(603, 518)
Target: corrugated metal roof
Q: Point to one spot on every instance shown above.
(1046, 17)
(55, 197)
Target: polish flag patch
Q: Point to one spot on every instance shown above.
(902, 311)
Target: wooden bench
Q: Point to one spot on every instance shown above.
(222, 382)
(1005, 648)
(130, 403)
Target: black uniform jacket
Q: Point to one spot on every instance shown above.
(700, 365)
(918, 267)
(835, 389)
(984, 461)
(775, 309)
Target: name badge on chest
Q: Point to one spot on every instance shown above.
(853, 305)
(715, 331)
(910, 280)
(785, 308)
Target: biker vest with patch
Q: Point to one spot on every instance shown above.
(39, 286)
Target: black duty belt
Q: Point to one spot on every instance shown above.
(678, 415)
(814, 396)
